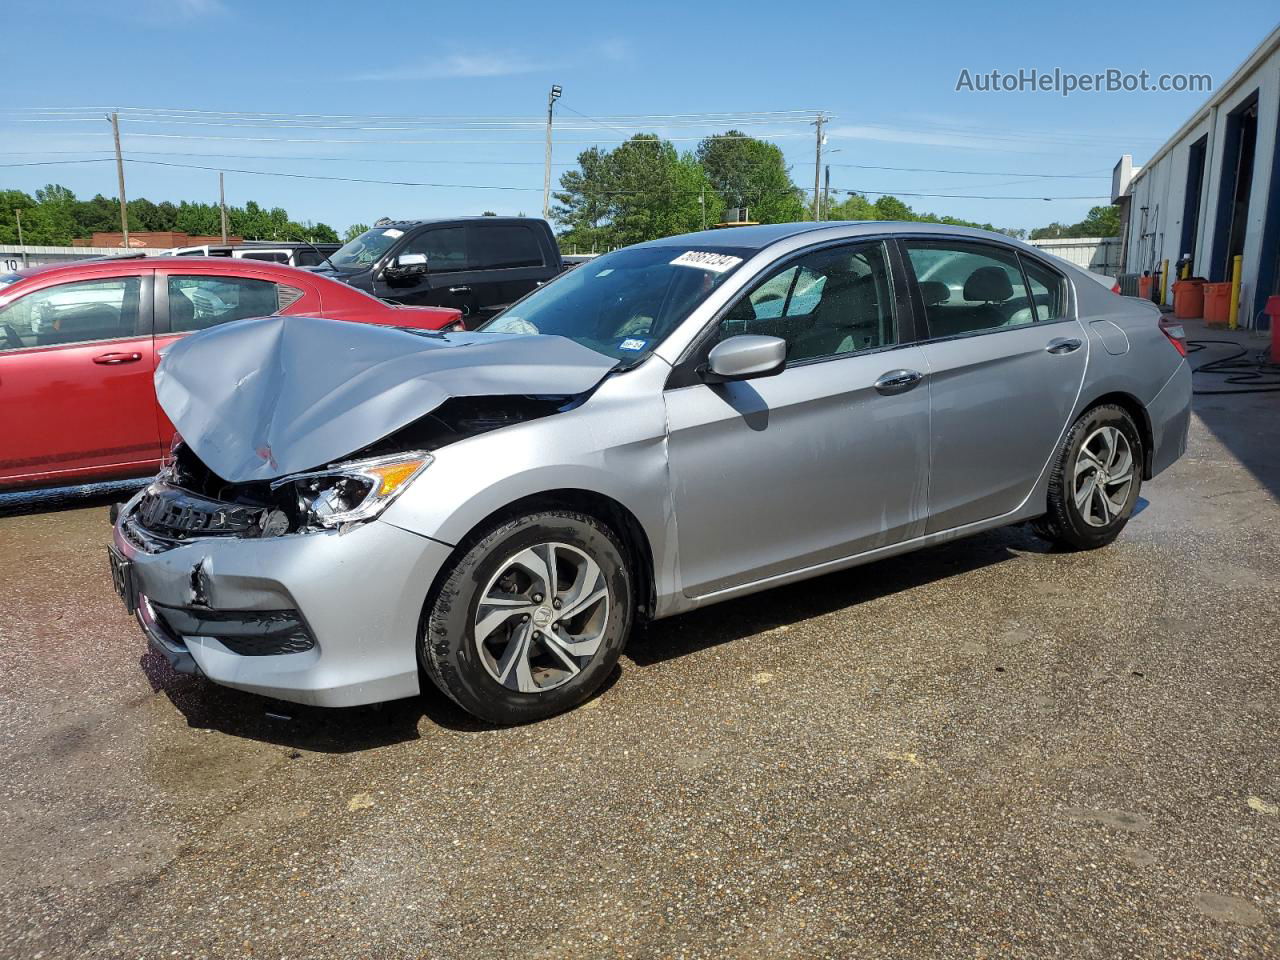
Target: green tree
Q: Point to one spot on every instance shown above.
(354, 231)
(1101, 221)
(11, 201)
(642, 189)
(751, 173)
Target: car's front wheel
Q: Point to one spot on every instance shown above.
(1096, 478)
(530, 619)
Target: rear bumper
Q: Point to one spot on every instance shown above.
(328, 618)
(1170, 416)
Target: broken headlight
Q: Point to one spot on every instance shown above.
(350, 492)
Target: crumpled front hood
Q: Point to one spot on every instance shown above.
(261, 399)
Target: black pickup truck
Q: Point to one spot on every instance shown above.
(478, 265)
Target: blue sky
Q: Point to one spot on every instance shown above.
(885, 72)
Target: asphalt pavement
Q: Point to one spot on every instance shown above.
(987, 749)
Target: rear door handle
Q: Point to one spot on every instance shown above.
(114, 358)
(898, 381)
(459, 289)
(1061, 345)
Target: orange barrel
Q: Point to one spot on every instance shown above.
(1188, 298)
(1217, 304)
(1144, 286)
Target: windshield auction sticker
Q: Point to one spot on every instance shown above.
(715, 262)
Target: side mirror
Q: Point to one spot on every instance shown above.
(744, 358)
(405, 266)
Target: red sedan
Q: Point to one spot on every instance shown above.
(79, 343)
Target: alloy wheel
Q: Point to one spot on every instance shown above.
(1103, 476)
(542, 617)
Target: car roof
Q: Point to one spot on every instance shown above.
(108, 265)
(758, 237)
(432, 220)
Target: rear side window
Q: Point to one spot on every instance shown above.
(200, 302)
(500, 245)
(1048, 291)
(969, 288)
(72, 313)
(445, 247)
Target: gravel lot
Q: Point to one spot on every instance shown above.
(983, 750)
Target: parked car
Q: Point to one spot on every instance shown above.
(291, 253)
(668, 426)
(479, 265)
(79, 342)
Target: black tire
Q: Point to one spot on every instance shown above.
(447, 648)
(1064, 523)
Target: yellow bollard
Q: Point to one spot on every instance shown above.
(1164, 281)
(1233, 318)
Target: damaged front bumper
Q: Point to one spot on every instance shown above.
(327, 618)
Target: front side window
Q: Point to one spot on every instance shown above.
(826, 304)
(199, 302)
(72, 313)
(445, 247)
(366, 249)
(623, 304)
(499, 246)
(969, 288)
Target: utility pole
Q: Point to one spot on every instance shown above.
(20, 243)
(826, 188)
(702, 202)
(124, 208)
(552, 97)
(817, 169)
(222, 205)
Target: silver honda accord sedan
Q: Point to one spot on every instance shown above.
(681, 422)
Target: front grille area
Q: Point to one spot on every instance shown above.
(173, 512)
(248, 633)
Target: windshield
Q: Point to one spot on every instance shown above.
(365, 249)
(623, 304)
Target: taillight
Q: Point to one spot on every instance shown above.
(1176, 334)
(1115, 287)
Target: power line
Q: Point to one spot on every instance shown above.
(316, 176)
(956, 196)
(491, 142)
(55, 163)
(980, 173)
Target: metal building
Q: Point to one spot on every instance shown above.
(1213, 190)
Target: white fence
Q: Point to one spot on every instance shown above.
(11, 255)
(1099, 254)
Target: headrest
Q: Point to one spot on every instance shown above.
(934, 292)
(989, 284)
(181, 312)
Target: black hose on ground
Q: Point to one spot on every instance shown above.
(1257, 375)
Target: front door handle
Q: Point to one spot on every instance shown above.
(898, 381)
(459, 289)
(114, 358)
(1061, 345)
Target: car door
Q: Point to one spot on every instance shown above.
(450, 279)
(510, 262)
(75, 380)
(1006, 361)
(825, 460)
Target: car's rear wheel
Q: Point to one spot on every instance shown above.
(1096, 478)
(530, 619)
